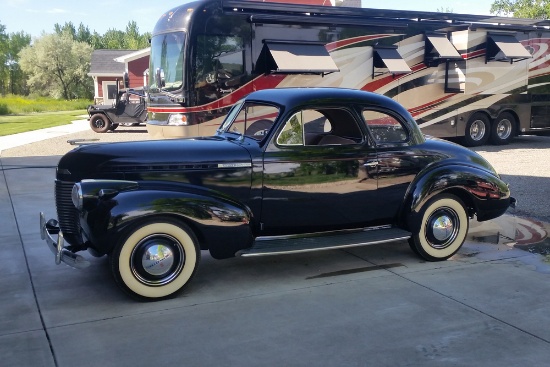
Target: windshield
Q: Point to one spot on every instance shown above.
(166, 63)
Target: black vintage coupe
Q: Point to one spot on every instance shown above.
(289, 170)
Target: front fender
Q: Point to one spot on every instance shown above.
(484, 194)
(221, 224)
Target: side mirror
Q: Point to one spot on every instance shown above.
(159, 76)
(126, 80)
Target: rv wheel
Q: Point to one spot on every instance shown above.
(503, 129)
(477, 130)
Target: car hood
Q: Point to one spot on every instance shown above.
(134, 160)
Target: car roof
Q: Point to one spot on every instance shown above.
(290, 97)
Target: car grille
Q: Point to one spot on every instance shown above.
(67, 213)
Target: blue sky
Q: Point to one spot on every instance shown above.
(37, 16)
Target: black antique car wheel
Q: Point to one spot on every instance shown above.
(155, 259)
(99, 123)
(442, 229)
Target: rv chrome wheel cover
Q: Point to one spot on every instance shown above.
(157, 259)
(504, 129)
(477, 130)
(442, 228)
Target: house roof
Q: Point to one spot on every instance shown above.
(103, 62)
(134, 55)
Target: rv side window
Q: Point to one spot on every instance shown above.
(218, 66)
(455, 77)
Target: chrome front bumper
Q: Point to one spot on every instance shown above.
(47, 231)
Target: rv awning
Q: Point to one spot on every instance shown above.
(388, 57)
(287, 57)
(443, 46)
(509, 46)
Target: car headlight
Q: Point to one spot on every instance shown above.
(177, 119)
(77, 197)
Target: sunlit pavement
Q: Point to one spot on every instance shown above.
(371, 306)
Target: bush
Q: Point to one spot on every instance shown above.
(4, 110)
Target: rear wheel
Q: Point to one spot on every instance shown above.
(503, 129)
(155, 259)
(477, 130)
(100, 123)
(442, 228)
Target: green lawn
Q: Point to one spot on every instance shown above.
(13, 124)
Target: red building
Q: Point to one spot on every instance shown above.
(108, 66)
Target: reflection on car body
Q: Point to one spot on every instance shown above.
(290, 170)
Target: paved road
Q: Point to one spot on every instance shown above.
(372, 306)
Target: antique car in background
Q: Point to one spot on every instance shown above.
(290, 170)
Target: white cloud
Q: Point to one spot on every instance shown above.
(57, 11)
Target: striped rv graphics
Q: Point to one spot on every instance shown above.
(430, 105)
(539, 48)
(261, 82)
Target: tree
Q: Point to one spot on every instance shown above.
(12, 79)
(17, 78)
(4, 46)
(57, 66)
(536, 9)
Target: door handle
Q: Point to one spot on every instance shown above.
(371, 164)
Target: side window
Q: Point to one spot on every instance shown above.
(384, 128)
(218, 66)
(293, 131)
(323, 126)
(455, 78)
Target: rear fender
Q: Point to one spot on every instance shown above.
(484, 194)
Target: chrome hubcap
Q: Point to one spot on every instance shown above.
(477, 130)
(442, 228)
(504, 129)
(157, 259)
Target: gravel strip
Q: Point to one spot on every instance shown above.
(524, 164)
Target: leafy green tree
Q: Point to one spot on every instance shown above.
(12, 79)
(536, 9)
(4, 46)
(57, 66)
(17, 78)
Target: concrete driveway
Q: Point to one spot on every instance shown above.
(371, 306)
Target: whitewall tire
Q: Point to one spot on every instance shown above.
(156, 259)
(442, 228)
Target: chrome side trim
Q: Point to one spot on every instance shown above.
(57, 246)
(336, 247)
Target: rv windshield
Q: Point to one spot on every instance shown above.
(166, 63)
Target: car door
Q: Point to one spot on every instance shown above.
(399, 160)
(319, 174)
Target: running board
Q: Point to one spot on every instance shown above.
(316, 242)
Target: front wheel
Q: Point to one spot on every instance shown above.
(100, 123)
(477, 130)
(155, 259)
(442, 228)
